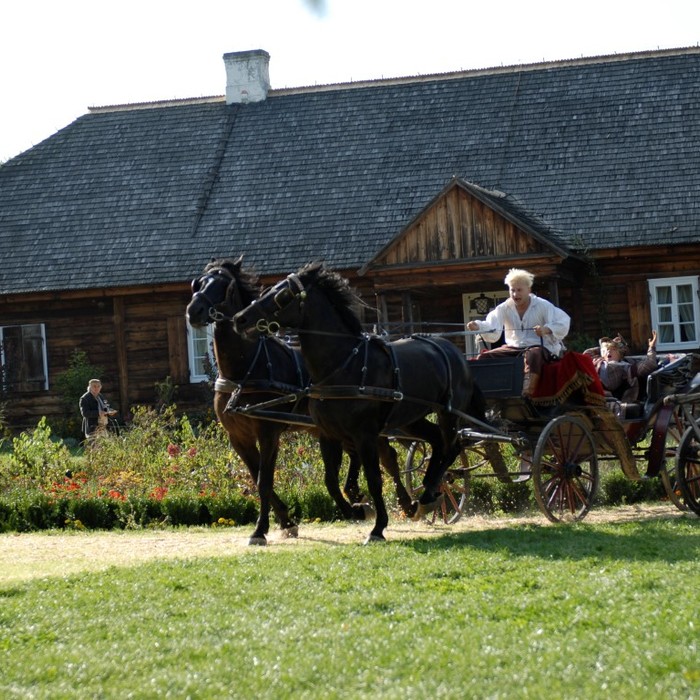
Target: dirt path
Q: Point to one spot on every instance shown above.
(38, 555)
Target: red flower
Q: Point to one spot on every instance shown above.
(192, 452)
(173, 450)
(159, 492)
(116, 495)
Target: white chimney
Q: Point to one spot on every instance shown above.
(247, 76)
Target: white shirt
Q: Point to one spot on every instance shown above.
(520, 331)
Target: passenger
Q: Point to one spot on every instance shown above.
(618, 375)
(533, 327)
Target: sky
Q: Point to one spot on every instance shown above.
(60, 57)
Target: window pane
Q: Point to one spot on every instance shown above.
(665, 333)
(687, 332)
(663, 295)
(685, 294)
(665, 314)
(202, 360)
(24, 357)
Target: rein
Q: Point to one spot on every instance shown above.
(256, 386)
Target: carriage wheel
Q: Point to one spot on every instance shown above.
(688, 469)
(454, 487)
(669, 478)
(565, 469)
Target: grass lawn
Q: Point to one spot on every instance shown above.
(513, 608)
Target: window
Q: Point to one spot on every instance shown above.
(675, 312)
(200, 343)
(23, 358)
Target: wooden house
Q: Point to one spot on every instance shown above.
(423, 191)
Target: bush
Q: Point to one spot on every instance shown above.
(165, 470)
(70, 386)
(616, 489)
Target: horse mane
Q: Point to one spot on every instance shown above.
(338, 291)
(246, 279)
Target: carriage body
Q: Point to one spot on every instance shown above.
(559, 444)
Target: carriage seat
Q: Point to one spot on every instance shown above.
(670, 377)
(498, 377)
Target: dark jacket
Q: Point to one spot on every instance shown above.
(90, 410)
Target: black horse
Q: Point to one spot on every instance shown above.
(363, 387)
(258, 372)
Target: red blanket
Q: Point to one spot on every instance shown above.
(573, 373)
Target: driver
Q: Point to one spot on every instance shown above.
(533, 327)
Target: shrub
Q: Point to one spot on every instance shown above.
(616, 489)
(166, 470)
(70, 386)
(36, 460)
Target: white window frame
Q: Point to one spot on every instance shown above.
(5, 361)
(667, 316)
(195, 338)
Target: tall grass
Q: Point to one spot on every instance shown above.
(581, 611)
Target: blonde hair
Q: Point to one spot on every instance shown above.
(517, 275)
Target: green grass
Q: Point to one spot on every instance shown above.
(578, 611)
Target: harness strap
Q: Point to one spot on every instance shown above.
(448, 366)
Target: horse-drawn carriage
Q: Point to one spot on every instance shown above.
(461, 419)
(558, 441)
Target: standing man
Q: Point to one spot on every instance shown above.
(95, 411)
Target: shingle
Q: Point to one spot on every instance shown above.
(596, 154)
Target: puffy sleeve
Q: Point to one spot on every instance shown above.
(558, 322)
(492, 326)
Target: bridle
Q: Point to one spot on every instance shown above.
(232, 298)
(285, 293)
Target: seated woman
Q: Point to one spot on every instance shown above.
(533, 327)
(620, 377)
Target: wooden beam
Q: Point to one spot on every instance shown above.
(121, 355)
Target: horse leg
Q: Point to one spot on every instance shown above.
(389, 460)
(370, 463)
(269, 449)
(251, 457)
(352, 481)
(332, 455)
(431, 497)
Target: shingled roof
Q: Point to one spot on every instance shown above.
(601, 152)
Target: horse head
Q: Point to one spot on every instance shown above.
(288, 303)
(220, 291)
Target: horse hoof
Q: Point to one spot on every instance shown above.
(292, 531)
(424, 509)
(361, 511)
(375, 538)
(367, 510)
(257, 541)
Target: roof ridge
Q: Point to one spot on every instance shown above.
(407, 80)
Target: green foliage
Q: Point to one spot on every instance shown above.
(578, 342)
(617, 489)
(70, 385)
(164, 470)
(36, 460)
(166, 392)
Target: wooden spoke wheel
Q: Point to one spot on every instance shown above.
(677, 426)
(688, 469)
(454, 487)
(565, 469)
